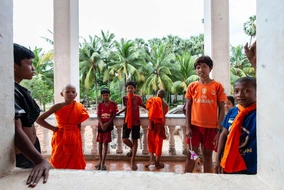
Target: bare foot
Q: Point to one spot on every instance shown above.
(134, 166)
(149, 163)
(159, 165)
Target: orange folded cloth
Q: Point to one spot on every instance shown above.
(232, 160)
(128, 117)
(154, 105)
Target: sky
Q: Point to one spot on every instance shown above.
(128, 19)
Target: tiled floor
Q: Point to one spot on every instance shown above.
(112, 165)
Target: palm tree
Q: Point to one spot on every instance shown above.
(250, 27)
(127, 62)
(159, 67)
(90, 63)
(239, 64)
(185, 73)
(107, 43)
(43, 64)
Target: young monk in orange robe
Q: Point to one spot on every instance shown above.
(157, 109)
(66, 142)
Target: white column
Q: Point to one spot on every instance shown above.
(7, 113)
(66, 46)
(216, 39)
(270, 91)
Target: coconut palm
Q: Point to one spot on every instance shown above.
(90, 64)
(250, 27)
(239, 64)
(185, 73)
(107, 44)
(43, 64)
(159, 67)
(127, 62)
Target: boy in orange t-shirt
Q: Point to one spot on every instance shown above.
(204, 113)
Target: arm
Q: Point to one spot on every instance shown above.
(42, 166)
(105, 125)
(188, 117)
(123, 110)
(220, 149)
(221, 115)
(41, 119)
(251, 54)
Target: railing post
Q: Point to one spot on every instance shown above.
(83, 137)
(184, 145)
(119, 139)
(94, 139)
(172, 149)
(45, 140)
(145, 140)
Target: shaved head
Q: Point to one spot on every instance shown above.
(162, 93)
(68, 86)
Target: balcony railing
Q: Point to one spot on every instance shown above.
(175, 124)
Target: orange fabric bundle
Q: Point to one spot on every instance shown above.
(128, 117)
(67, 142)
(154, 105)
(232, 160)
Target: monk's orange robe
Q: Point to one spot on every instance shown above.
(156, 131)
(66, 142)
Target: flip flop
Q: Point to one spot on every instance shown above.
(159, 165)
(129, 154)
(104, 168)
(98, 166)
(149, 164)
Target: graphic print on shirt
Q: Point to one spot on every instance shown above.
(244, 137)
(204, 99)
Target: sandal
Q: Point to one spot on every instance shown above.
(129, 154)
(104, 168)
(159, 165)
(98, 166)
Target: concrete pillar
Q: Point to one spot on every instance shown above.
(66, 46)
(216, 39)
(7, 113)
(270, 91)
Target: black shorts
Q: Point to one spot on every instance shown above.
(24, 162)
(135, 132)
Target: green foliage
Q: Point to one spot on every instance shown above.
(239, 65)
(40, 91)
(159, 69)
(152, 64)
(184, 73)
(250, 27)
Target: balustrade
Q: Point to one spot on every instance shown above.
(89, 131)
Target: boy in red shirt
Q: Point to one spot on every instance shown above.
(131, 121)
(106, 113)
(204, 113)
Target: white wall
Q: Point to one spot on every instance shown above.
(6, 86)
(270, 90)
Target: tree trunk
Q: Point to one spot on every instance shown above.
(96, 89)
(87, 98)
(123, 89)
